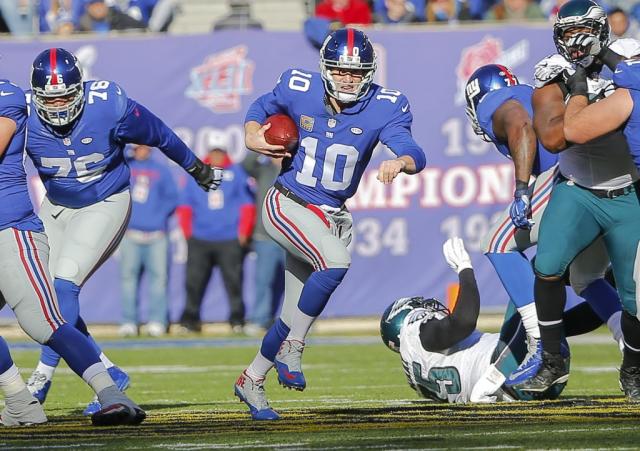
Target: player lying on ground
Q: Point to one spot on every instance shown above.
(27, 288)
(447, 359)
(342, 115)
(76, 139)
(500, 111)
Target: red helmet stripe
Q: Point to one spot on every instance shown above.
(512, 79)
(350, 41)
(53, 62)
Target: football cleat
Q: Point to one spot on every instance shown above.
(121, 380)
(251, 392)
(22, 409)
(530, 364)
(39, 385)
(554, 370)
(288, 365)
(118, 414)
(630, 382)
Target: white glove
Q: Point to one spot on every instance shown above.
(456, 255)
(550, 68)
(586, 43)
(489, 383)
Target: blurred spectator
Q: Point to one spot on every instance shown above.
(56, 16)
(218, 226)
(396, 11)
(239, 17)
(316, 29)
(145, 246)
(445, 11)
(345, 11)
(269, 283)
(18, 16)
(100, 16)
(515, 10)
(157, 15)
(621, 26)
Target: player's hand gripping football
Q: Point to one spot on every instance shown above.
(208, 178)
(456, 255)
(390, 169)
(255, 140)
(520, 209)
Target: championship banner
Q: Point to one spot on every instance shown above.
(203, 84)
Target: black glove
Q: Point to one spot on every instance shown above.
(577, 82)
(207, 177)
(610, 58)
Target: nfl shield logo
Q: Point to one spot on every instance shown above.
(332, 123)
(306, 123)
(66, 141)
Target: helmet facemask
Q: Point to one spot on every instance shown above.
(347, 64)
(62, 113)
(471, 91)
(569, 30)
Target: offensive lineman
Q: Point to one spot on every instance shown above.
(76, 141)
(341, 115)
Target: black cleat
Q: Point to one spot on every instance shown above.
(118, 414)
(554, 370)
(630, 382)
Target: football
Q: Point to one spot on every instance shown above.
(283, 131)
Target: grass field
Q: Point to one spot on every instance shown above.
(357, 398)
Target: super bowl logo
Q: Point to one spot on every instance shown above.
(221, 79)
(488, 51)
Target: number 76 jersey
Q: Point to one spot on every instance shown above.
(334, 149)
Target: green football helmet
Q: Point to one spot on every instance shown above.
(585, 17)
(393, 317)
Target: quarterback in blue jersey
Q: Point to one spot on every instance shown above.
(501, 112)
(27, 288)
(76, 140)
(341, 116)
(584, 122)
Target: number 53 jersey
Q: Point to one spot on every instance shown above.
(334, 149)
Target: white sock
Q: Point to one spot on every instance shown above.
(259, 367)
(614, 325)
(11, 382)
(300, 325)
(97, 377)
(107, 363)
(530, 319)
(46, 370)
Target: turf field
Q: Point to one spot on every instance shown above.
(357, 398)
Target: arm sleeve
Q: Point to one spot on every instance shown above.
(270, 103)
(140, 126)
(397, 135)
(436, 335)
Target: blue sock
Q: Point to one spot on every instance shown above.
(6, 361)
(318, 289)
(68, 294)
(516, 274)
(82, 327)
(602, 298)
(273, 339)
(74, 348)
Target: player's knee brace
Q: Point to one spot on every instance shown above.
(68, 294)
(273, 339)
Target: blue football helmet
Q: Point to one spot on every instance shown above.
(394, 316)
(484, 80)
(585, 17)
(56, 82)
(347, 49)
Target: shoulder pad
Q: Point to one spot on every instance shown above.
(626, 47)
(549, 69)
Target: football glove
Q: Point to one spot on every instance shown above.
(520, 209)
(577, 82)
(207, 177)
(587, 44)
(550, 69)
(456, 255)
(489, 383)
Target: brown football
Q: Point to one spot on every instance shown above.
(283, 132)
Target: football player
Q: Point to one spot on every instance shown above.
(27, 288)
(341, 116)
(500, 111)
(76, 139)
(447, 359)
(593, 197)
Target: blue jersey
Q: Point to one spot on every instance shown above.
(490, 104)
(17, 209)
(86, 164)
(627, 75)
(334, 149)
(216, 214)
(154, 195)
